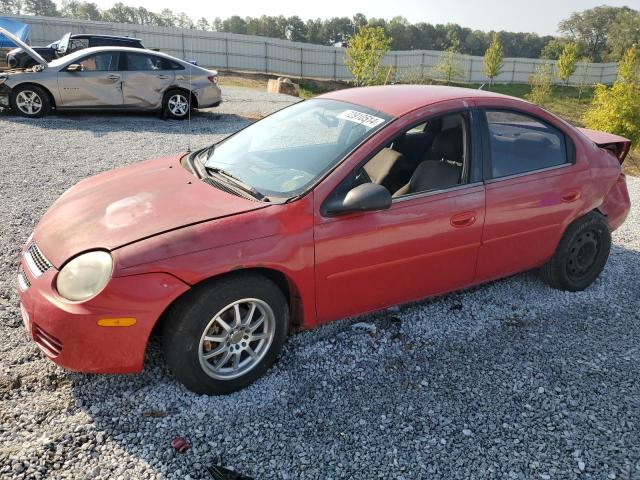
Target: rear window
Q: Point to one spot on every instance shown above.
(521, 143)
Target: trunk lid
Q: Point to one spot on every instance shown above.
(619, 146)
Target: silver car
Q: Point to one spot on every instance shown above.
(109, 77)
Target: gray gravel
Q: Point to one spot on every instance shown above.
(507, 380)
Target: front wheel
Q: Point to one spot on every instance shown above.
(224, 334)
(176, 104)
(581, 254)
(30, 101)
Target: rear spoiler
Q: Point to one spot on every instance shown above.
(619, 146)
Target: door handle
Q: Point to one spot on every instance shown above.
(113, 77)
(163, 77)
(571, 196)
(465, 219)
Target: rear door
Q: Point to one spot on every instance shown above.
(99, 84)
(146, 79)
(534, 188)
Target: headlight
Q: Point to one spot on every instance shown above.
(85, 276)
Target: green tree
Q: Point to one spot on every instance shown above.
(624, 32)
(10, 6)
(493, 59)
(553, 49)
(81, 10)
(540, 83)
(567, 62)
(45, 8)
(449, 67)
(617, 109)
(591, 28)
(365, 52)
(203, 24)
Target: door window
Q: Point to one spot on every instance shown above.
(77, 44)
(142, 62)
(428, 157)
(521, 143)
(100, 62)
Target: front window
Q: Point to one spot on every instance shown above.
(287, 152)
(100, 62)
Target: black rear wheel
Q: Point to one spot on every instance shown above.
(581, 254)
(176, 104)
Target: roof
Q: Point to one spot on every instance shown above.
(397, 100)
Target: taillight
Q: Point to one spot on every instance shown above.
(213, 78)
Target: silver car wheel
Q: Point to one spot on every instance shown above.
(237, 339)
(29, 102)
(178, 105)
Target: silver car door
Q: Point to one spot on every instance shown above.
(146, 79)
(98, 83)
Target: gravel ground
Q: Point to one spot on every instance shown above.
(507, 380)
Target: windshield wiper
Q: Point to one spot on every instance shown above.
(235, 181)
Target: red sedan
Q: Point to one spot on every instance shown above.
(348, 203)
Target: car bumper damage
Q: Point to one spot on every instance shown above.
(105, 334)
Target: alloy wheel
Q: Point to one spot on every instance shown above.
(29, 102)
(178, 105)
(236, 339)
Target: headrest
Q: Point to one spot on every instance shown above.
(448, 145)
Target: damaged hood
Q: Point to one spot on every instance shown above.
(30, 51)
(123, 206)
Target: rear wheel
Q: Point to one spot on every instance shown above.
(30, 101)
(176, 104)
(225, 333)
(581, 254)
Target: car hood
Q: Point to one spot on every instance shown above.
(30, 51)
(129, 204)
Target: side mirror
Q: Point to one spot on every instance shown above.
(74, 67)
(367, 197)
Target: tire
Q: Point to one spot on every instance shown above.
(195, 329)
(30, 101)
(581, 254)
(176, 104)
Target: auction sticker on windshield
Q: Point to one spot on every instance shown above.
(361, 118)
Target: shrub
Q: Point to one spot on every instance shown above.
(616, 109)
(540, 83)
(365, 52)
(449, 68)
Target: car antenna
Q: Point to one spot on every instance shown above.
(190, 89)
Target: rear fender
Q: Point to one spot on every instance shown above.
(616, 204)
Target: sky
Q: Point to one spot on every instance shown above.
(539, 16)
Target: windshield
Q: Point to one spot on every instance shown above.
(285, 153)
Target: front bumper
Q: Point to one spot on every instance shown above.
(5, 92)
(68, 332)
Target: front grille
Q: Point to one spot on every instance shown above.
(37, 262)
(23, 280)
(46, 341)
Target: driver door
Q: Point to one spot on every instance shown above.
(426, 243)
(97, 84)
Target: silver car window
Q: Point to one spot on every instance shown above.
(141, 62)
(101, 62)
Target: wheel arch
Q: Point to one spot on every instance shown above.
(39, 85)
(194, 98)
(284, 282)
